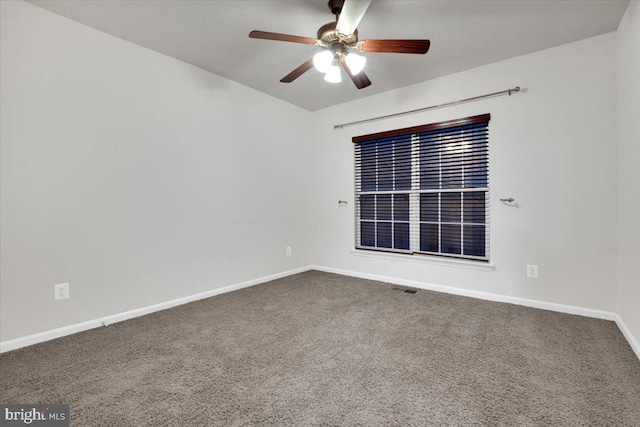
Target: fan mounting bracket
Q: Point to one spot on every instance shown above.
(335, 6)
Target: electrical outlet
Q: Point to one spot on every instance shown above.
(288, 250)
(532, 271)
(61, 291)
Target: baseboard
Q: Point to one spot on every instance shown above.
(635, 346)
(562, 308)
(96, 323)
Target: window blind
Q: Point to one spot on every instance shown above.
(425, 190)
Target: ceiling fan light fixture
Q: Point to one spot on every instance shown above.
(322, 60)
(355, 62)
(333, 75)
(338, 41)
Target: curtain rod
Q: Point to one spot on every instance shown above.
(432, 107)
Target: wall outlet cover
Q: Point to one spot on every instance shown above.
(532, 271)
(61, 291)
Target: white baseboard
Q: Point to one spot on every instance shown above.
(635, 346)
(96, 323)
(562, 308)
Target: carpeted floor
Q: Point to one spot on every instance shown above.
(324, 349)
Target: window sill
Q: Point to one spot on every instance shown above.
(425, 259)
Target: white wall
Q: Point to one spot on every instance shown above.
(135, 177)
(628, 44)
(552, 148)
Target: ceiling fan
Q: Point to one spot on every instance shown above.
(339, 42)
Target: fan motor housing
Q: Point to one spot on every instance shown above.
(328, 34)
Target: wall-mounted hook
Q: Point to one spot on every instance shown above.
(342, 203)
(509, 200)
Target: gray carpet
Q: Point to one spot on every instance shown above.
(324, 349)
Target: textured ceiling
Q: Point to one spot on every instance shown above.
(213, 35)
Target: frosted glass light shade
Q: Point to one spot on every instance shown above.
(333, 75)
(355, 62)
(322, 60)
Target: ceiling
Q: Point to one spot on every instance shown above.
(213, 35)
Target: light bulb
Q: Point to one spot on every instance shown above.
(333, 75)
(355, 62)
(322, 60)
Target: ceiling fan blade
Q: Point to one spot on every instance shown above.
(360, 80)
(281, 37)
(395, 46)
(351, 14)
(306, 66)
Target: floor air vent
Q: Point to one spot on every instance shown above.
(408, 291)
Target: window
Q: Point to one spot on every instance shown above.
(425, 190)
